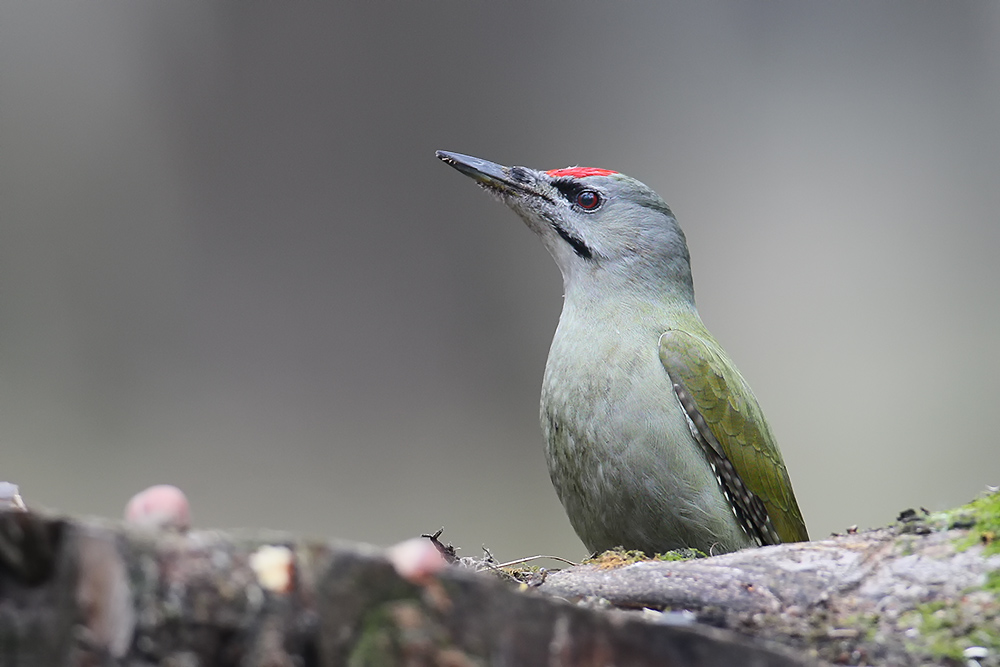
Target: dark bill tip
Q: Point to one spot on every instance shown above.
(483, 171)
(514, 181)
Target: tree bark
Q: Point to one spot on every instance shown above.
(85, 592)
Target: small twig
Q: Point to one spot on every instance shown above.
(449, 552)
(488, 557)
(519, 561)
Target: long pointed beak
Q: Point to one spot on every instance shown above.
(484, 171)
(506, 180)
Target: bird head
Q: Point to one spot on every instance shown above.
(605, 230)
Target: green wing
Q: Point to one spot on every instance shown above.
(737, 440)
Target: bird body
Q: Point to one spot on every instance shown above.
(654, 440)
(639, 482)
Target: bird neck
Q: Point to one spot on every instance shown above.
(643, 276)
(621, 304)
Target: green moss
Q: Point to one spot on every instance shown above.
(521, 574)
(377, 644)
(944, 632)
(867, 624)
(982, 518)
(404, 632)
(938, 626)
(935, 623)
(617, 557)
(679, 554)
(906, 543)
(993, 583)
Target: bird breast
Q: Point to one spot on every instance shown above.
(608, 409)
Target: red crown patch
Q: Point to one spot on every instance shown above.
(579, 172)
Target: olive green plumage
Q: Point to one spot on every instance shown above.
(654, 440)
(734, 417)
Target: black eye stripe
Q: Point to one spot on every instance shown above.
(568, 187)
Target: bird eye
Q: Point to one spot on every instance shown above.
(588, 200)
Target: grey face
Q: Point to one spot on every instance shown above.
(592, 221)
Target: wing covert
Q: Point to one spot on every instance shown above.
(737, 441)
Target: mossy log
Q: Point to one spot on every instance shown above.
(925, 591)
(87, 592)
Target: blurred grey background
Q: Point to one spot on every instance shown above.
(230, 261)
